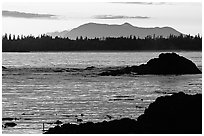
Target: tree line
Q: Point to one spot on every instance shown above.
(12, 43)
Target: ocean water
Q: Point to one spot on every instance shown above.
(44, 87)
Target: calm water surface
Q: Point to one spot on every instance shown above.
(35, 93)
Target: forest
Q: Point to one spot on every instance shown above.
(45, 43)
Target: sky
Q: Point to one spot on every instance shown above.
(37, 18)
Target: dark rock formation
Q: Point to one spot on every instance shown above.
(59, 70)
(79, 120)
(117, 72)
(167, 63)
(90, 68)
(58, 122)
(9, 119)
(3, 68)
(176, 114)
(9, 124)
(122, 126)
(179, 113)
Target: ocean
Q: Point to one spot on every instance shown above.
(43, 87)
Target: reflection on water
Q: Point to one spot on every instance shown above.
(85, 59)
(37, 99)
(39, 95)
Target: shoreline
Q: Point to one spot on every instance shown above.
(166, 115)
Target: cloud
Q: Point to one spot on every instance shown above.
(119, 17)
(6, 13)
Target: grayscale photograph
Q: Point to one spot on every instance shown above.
(103, 67)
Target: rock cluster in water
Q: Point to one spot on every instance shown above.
(176, 114)
(3, 67)
(167, 63)
(9, 124)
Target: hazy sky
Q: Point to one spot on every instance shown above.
(37, 18)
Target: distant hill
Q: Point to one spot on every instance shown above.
(59, 34)
(92, 30)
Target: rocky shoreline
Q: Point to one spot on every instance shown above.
(176, 114)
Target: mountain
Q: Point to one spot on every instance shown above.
(60, 34)
(92, 30)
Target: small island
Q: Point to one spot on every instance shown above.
(167, 63)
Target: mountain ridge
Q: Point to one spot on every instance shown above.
(92, 30)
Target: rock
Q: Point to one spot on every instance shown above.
(10, 119)
(176, 114)
(117, 72)
(116, 126)
(59, 70)
(79, 120)
(9, 124)
(110, 117)
(90, 68)
(58, 122)
(3, 68)
(167, 63)
(139, 107)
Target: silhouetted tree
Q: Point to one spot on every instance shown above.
(131, 43)
(9, 36)
(14, 37)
